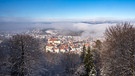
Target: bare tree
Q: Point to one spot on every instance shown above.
(96, 52)
(24, 52)
(118, 53)
(70, 62)
(4, 55)
(97, 60)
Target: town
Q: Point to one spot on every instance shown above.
(59, 43)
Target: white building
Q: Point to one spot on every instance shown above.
(49, 47)
(54, 41)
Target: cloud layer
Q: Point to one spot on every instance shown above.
(93, 28)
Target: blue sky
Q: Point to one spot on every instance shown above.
(67, 9)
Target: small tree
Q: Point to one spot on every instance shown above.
(98, 44)
(83, 54)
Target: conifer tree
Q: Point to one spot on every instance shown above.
(83, 53)
(89, 64)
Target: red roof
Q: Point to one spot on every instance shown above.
(49, 45)
(87, 44)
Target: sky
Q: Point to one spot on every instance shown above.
(67, 9)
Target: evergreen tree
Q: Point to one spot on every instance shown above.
(89, 64)
(83, 53)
